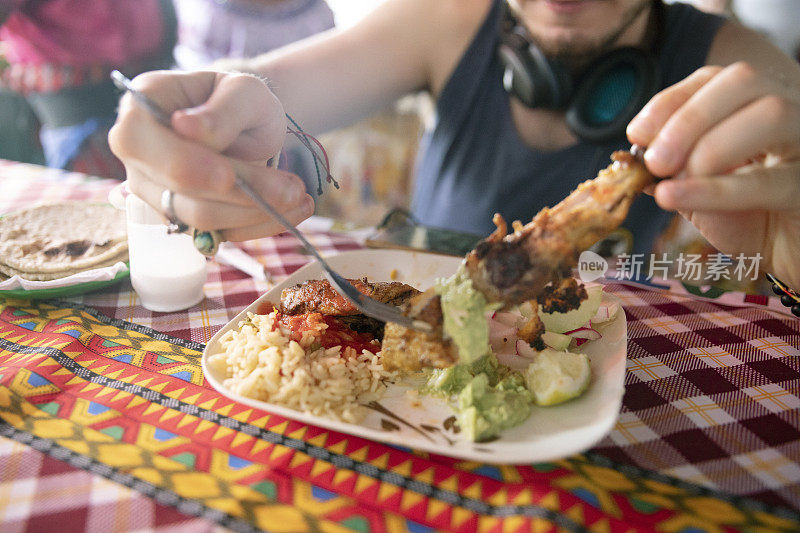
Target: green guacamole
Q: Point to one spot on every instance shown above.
(488, 397)
(464, 310)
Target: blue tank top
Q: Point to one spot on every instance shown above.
(473, 163)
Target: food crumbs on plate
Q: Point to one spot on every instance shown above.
(394, 274)
(414, 399)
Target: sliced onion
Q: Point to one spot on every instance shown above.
(526, 309)
(567, 348)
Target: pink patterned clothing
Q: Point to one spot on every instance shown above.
(50, 44)
(58, 54)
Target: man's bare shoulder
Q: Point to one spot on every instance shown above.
(456, 22)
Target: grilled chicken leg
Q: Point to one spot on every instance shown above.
(513, 268)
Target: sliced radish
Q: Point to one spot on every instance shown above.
(515, 353)
(605, 313)
(504, 344)
(509, 348)
(585, 332)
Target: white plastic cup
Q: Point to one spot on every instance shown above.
(167, 271)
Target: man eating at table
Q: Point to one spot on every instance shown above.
(532, 96)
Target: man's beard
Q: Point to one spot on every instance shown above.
(577, 51)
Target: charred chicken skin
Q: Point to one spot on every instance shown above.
(562, 296)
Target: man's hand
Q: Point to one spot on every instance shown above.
(221, 125)
(730, 139)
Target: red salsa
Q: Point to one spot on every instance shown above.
(336, 334)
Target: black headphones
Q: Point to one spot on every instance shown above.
(601, 101)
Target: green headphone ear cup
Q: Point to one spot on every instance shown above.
(611, 92)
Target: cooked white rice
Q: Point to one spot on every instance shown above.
(267, 365)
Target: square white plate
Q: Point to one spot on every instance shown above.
(418, 421)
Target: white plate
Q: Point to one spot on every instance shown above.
(548, 434)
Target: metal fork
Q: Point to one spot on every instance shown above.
(368, 306)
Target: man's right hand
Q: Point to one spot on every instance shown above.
(223, 124)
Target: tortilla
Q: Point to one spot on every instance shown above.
(7, 272)
(56, 240)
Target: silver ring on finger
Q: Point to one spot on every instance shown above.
(175, 225)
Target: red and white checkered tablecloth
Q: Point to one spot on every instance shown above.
(712, 388)
(712, 394)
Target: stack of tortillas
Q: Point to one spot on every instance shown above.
(54, 241)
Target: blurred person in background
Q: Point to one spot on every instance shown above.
(209, 30)
(57, 58)
(724, 98)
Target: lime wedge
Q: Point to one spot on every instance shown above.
(555, 377)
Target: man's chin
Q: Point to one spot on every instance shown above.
(570, 46)
(581, 38)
